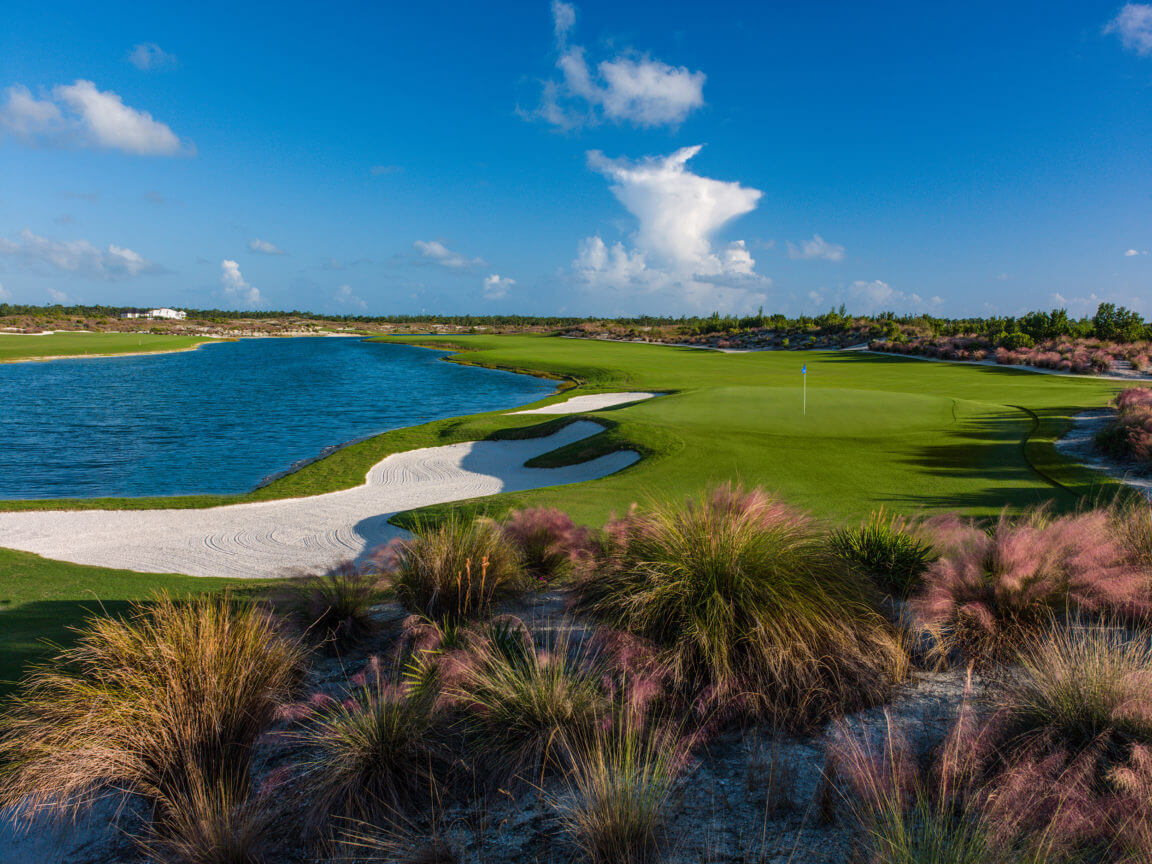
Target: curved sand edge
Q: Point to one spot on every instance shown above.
(271, 538)
(1078, 444)
(592, 402)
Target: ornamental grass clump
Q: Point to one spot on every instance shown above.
(750, 610)
(333, 608)
(888, 550)
(992, 590)
(523, 700)
(1128, 435)
(377, 751)
(164, 704)
(547, 538)
(621, 779)
(454, 570)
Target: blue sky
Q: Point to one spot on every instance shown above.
(585, 158)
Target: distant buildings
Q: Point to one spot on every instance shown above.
(171, 314)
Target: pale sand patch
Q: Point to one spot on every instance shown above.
(268, 538)
(594, 402)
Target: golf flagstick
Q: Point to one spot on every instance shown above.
(804, 388)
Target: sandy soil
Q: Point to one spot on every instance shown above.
(595, 402)
(1080, 444)
(270, 538)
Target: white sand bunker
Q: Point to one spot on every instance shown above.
(594, 402)
(270, 537)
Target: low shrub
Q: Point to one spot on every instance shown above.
(164, 704)
(887, 550)
(548, 540)
(454, 570)
(375, 752)
(992, 590)
(523, 701)
(749, 608)
(333, 608)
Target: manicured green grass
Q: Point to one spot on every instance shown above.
(14, 347)
(879, 431)
(40, 599)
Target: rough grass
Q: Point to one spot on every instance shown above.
(455, 570)
(164, 704)
(748, 607)
(333, 608)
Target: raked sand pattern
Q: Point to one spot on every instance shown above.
(594, 402)
(270, 538)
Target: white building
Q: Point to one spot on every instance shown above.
(171, 314)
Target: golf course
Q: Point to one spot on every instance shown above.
(873, 431)
(15, 348)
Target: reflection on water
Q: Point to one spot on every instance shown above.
(224, 417)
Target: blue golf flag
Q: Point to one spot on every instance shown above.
(804, 369)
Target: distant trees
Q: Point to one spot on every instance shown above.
(1117, 324)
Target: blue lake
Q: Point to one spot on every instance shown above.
(225, 417)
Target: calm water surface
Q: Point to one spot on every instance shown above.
(224, 417)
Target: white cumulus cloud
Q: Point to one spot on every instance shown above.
(345, 297)
(148, 56)
(672, 258)
(235, 286)
(1132, 253)
(816, 249)
(1134, 27)
(630, 87)
(264, 247)
(436, 251)
(76, 256)
(496, 286)
(81, 115)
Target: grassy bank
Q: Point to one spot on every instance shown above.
(40, 599)
(14, 348)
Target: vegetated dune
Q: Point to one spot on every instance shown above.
(264, 538)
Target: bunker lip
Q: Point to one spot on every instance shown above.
(270, 538)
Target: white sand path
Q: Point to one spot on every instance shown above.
(270, 538)
(593, 402)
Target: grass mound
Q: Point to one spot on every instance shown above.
(747, 605)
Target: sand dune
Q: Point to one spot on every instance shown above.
(272, 537)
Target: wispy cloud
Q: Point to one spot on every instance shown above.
(236, 288)
(816, 249)
(1132, 253)
(879, 296)
(1134, 27)
(80, 115)
(76, 256)
(436, 251)
(379, 170)
(148, 56)
(264, 247)
(345, 297)
(628, 88)
(496, 286)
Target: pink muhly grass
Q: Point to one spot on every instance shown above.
(990, 589)
(547, 538)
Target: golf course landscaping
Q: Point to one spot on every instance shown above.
(876, 431)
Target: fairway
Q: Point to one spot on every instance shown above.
(17, 347)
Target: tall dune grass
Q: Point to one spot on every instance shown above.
(548, 540)
(747, 605)
(164, 704)
(455, 570)
(887, 549)
(333, 608)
